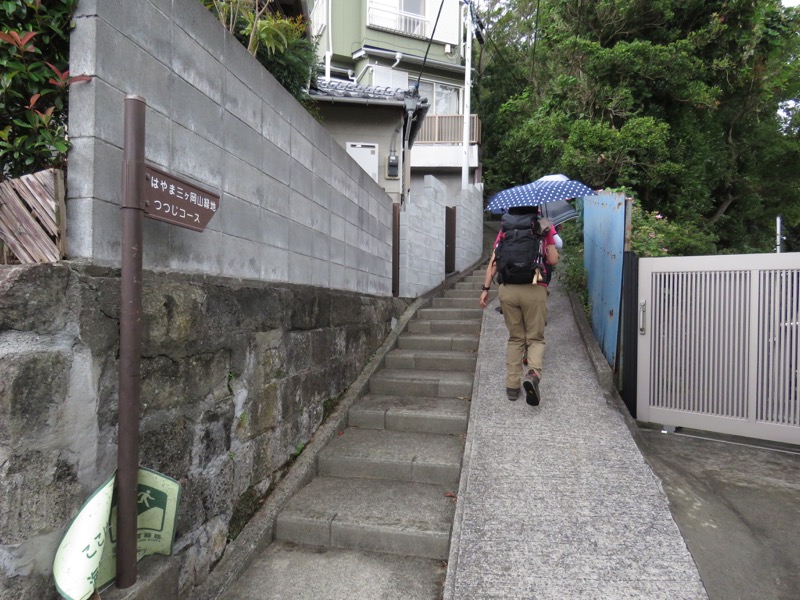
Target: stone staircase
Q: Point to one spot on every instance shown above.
(375, 521)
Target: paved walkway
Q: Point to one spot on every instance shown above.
(556, 501)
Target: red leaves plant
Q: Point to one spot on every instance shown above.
(64, 79)
(12, 37)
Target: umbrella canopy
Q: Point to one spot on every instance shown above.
(538, 192)
(554, 177)
(559, 211)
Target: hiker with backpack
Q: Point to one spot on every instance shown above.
(522, 260)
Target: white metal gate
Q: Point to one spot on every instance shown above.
(719, 345)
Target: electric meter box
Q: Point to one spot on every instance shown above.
(392, 167)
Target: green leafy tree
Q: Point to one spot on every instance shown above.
(503, 88)
(280, 44)
(294, 66)
(677, 100)
(34, 79)
(252, 22)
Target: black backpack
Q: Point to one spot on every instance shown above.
(520, 254)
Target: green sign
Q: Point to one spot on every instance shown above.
(86, 557)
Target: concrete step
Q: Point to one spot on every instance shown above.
(468, 326)
(393, 455)
(471, 293)
(432, 360)
(449, 314)
(471, 285)
(464, 342)
(285, 570)
(376, 520)
(414, 382)
(470, 302)
(410, 519)
(410, 413)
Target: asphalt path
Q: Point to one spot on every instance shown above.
(737, 503)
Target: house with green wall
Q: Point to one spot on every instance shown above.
(412, 51)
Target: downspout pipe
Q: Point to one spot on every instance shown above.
(411, 102)
(329, 33)
(328, 65)
(467, 107)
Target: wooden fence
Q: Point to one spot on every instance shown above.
(32, 218)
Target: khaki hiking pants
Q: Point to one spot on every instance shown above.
(525, 312)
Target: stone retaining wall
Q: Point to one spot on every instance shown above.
(236, 377)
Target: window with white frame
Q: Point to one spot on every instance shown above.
(413, 7)
(442, 98)
(388, 77)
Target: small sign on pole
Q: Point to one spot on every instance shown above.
(176, 201)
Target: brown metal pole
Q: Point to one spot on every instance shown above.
(395, 249)
(130, 340)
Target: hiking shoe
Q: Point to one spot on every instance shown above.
(512, 393)
(531, 385)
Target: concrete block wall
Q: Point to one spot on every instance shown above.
(469, 226)
(469, 213)
(294, 206)
(422, 239)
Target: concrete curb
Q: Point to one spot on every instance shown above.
(157, 577)
(603, 372)
(463, 483)
(605, 376)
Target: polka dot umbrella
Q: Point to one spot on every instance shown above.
(538, 192)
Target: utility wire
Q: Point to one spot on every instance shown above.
(511, 69)
(430, 41)
(535, 39)
(481, 40)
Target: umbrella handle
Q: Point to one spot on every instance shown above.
(537, 276)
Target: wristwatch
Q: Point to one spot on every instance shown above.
(485, 289)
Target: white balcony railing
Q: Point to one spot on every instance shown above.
(382, 16)
(448, 129)
(319, 17)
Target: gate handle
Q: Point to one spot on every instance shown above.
(642, 311)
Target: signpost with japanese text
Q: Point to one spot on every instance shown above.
(176, 201)
(158, 195)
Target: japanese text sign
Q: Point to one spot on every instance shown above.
(86, 558)
(167, 198)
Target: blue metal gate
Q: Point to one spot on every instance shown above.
(604, 243)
